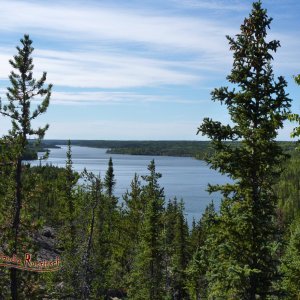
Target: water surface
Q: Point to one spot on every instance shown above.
(182, 177)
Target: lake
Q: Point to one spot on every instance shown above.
(182, 177)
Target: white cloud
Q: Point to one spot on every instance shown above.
(101, 24)
(103, 70)
(102, 47)
(83, 98)
(231, 5)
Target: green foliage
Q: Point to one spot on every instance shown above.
(109, 181)
(291, 263)
(147, 274)
(295, 117)
(24, 88)
(243, 264)
(288, 190)
(178, 250)
(202, 243)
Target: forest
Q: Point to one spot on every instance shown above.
(141, 247)
(196, 149)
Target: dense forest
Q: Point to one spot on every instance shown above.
(197, 149)
(140, 246)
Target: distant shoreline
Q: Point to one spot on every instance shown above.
(196, 149)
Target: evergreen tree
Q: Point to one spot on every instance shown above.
(242, 263)
(201, 240)
(69, 223)
(170, 219)
(24, 88)
(180, 256)
(147, 274)
(71, 179)
(111, 201)
(288, 189)
(291, 263)
(109, 180)
(132, 222)
(87, 268)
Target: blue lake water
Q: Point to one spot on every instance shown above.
(182, 177)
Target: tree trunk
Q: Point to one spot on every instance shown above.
(15, 229)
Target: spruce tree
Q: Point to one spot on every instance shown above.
(135, 206)
(68, 223)
(243, 262)
(24, 88)
(147, 274)
(87, 273)
(290, 203)
(180, 256)
(170, 219)
(291, 263)
(71, 179)
(109, 180)
(132, 220)
(201, 240)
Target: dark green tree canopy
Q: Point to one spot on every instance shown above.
(242, 263)
(109, 180)
(257, 106)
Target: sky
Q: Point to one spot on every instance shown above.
(138, 70)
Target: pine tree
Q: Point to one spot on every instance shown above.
(243, 260)
(24, 88)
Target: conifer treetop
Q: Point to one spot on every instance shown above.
(23, 90)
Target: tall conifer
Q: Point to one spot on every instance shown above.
(109, 180)
(24, 88)
(242, 263)
(147, 274)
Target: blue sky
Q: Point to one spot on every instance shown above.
(138, 69)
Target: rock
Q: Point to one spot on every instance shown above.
(115, 294)
(48, 232)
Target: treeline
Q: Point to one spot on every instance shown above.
(197, 149)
